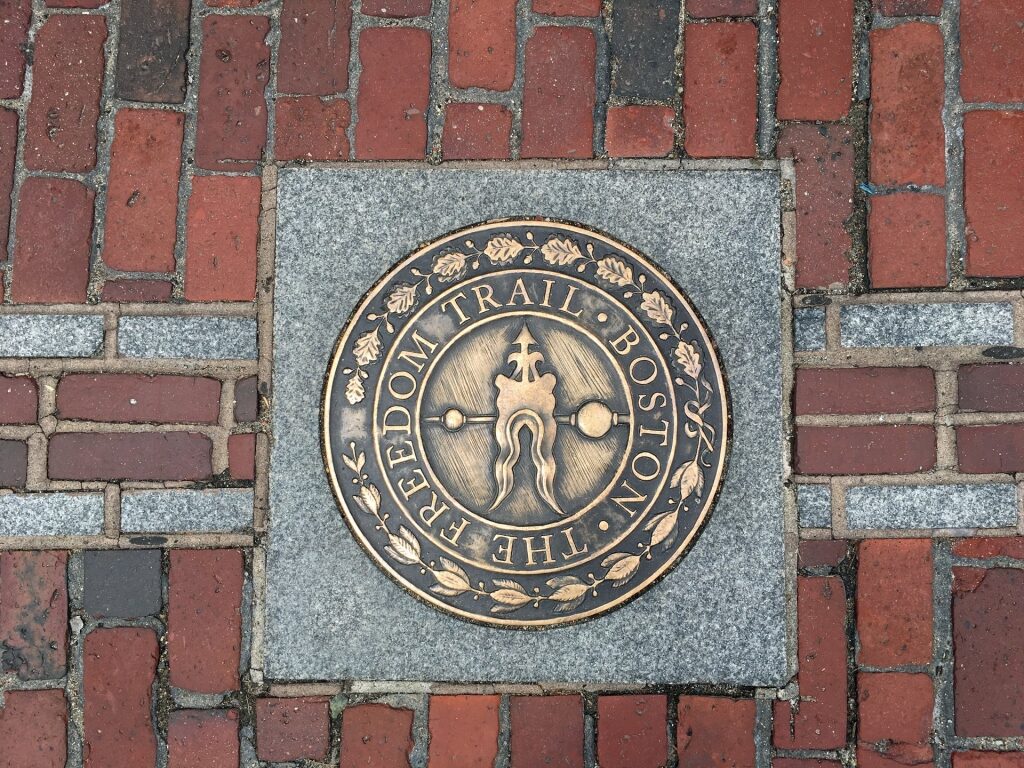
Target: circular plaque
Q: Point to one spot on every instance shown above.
(525, 423)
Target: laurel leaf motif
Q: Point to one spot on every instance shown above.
(452, 580)
(561, 251)
(657, 307)
(567, 589)
(623, 567)
(689, 358)
(509, 584)
(689, 478)
(439, 590)
(663, 525)
(402, 298)
(502, 249)
(367, 347)
(405, 548)
(614, 271)
(354, 391)
(448, 266)
(370, 497)
(508, 600)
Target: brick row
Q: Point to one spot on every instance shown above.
(134, 398)
(153, 39)
(864, 390)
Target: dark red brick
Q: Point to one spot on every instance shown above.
(313, 56)
(567, 7)
(120, 669)
(895, 710)
(33, 729)
(991, 546)
(54, 238)
(908, 7)
(394, 90)
(309, 128)
(463, 731)
(33, 614)
(137, 398)
(864, 390)
(823, 156)
(204, 619)
(715, 731)
(815, 59)
(377, 735)
(992, 50)
(798, 762)
(75, 3)
(818, 721)
(292, 729)
(907, 137)
(396, 9)
(151, 49)
(546, 731)
(707, 9)
(67, 75)
(242, 456)
(130, 456)
(231, 128)
(13, 40)
(997, 388)
(13, 463)
(558, 97)
(988, 759)
(817, 552)
(127, 291)
(632, 731)
(19, 398)
(639, 131)
(868, 450)
(720, 93)
(222, 238)
(994, 193)
(994, 448)
(907, 241)
(202, 737)
(482, 44)
(246, 399)
(142, 192)
(894, 602)
(8, 150)
(476, 132)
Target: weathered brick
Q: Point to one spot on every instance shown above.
(377, 735)
(19, 397)
(33, 729)
(310, 128)
(394, 90)
(864, 390)
(546, 730)
(639, 131)
(13, 38)
(818, 720)
(313, 55)
(895, 710)
(823, 156)
(242, 456)
(991, 546)
(996, 388)
(632, 732)
(644, 35)
(74, 3)
(482, 44)
(67, 75)
(222, 238)
(152, 43)
(33, 614)
(720, 93)
(120, 669)
(994, 448)
(907, 138)
(292, 729)
(8, 150)
(125, 291)
(988, 760)
(123, 584)
(202, 737)
(136, 398)
(815, 59)
(53, 241)
(463, 731)
(246, 399)
(567, 7)
(129, 456)
(907, 241)
(558, 97)
(204, 619)
(908, 7)
(715, 731)
(894, 602)
(396, 9)
(233, 3)
(13, 463)
(994, 193)
(707, 9)
(992, 50)
(815, 553)
(142, 192)
(867, 450)
(476, 132)
(231, 128)
(799, 762)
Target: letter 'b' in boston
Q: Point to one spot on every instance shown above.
(525, 423)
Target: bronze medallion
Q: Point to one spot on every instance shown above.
(525, 423)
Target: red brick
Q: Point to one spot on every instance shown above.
(394, 90)
(8, 150)
(33, 614)
(33, 729)
(377, 735)
(231, 128)
(720, 94)
(815, 59)
(996, 388)
(546, 731)
(567, 7)
(204, 619)
(242, 456)
(991, 546)
(292, 729)
(988, 759)
(222, 237)
(463, 731)
(823, 156)
(309, 128)
(639, 131)
(126, 291)
(864, 390)
(894, 602)
(907, 138)
(13, 40)
(313, 56)
(75, 3)
(818, 721)
(808, 762)
(995, 448)
(476, 132)
(136, 398)
(142, 196)
(13, 463)
(482, 44)
(992, 50)
(895, 710)
(715, 732)
(120, 669)
(53, 241)
(558, 97)
(868, 450)
(396, 9)
(129, 456)
(152, 43)
(67, 75)
(994, 193)
(632, 731)
(18, 400)
(202, 737)
(908, 7)
(707, 9)
(907, 241)
(246, 399)
(815, 553)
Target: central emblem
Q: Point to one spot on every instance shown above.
(525, 423)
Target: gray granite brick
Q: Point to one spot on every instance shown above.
(50, 335)
(123, 584)
(181, 510)
(191, 337)
(926, 325)
(51, 514)
(991, 505)
(809, 329)
(814, 505)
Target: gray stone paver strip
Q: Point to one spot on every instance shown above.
(809, 329)
(179, 510)
(927, 325)
(986, 505)
(814, 505)
(35, 335)
(187, 337)
(51, 514)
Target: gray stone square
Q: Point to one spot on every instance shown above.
(123, 584)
